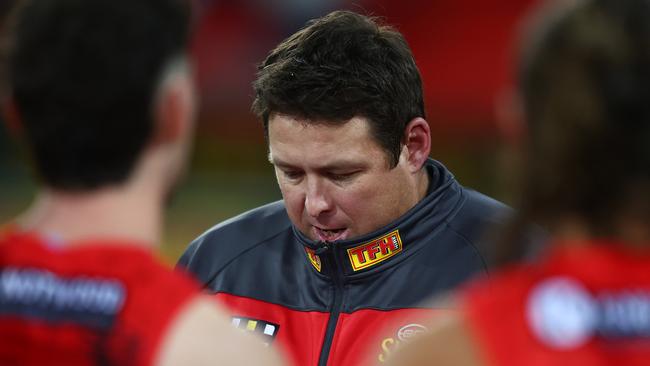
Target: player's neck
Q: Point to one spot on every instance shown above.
(130, 212)
(632, 233)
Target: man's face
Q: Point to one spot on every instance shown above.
(335, 179)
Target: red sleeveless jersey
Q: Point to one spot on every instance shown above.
(101, 303)
(582, 305)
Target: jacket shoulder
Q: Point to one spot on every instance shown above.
(478, 218)
(208, 254)
(478, 206)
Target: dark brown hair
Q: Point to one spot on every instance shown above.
(83, 75)
(341, 66)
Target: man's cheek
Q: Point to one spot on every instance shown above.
(295, 205)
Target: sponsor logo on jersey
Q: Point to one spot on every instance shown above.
(404, 335)
(266, 329)
(41, 294)
(563, 314)
(375, 251)
(313, 258)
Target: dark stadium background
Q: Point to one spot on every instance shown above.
(465, 52)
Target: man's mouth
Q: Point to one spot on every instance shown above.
(330, 234)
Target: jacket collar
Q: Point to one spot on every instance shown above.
(392, 243)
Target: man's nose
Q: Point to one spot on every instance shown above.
(317, 201)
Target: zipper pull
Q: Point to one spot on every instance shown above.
(323, 247)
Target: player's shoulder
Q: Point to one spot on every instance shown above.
(81, 285)
(140, 270)
(225, 241)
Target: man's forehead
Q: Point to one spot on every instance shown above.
(300, 123)
(289, 133)
(295, 142)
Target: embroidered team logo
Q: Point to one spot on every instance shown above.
(314, 259)
(266, 329)
(404, 335)
(375, 251)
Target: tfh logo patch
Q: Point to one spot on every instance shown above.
(375, 251)
(266, 329)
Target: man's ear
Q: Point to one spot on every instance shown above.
(11, 116)
(174, 108)
(417, 140)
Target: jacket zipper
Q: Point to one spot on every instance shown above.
(337, 304)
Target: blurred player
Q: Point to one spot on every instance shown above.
(103, 94)
(584, 83)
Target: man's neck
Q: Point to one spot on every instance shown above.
(424, 181)
(127, 212)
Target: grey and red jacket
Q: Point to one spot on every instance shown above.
(347, 302)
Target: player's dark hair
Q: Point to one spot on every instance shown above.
(341, 66)
(83, 76)
(585, 84)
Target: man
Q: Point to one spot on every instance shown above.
(369, 226)
(103, 95)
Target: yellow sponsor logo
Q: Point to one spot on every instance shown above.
(375, 251)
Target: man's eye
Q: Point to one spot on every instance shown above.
(293, 175)
(341, 176)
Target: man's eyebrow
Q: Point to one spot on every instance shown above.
(333, 165)
(279, 163)
(341, 165)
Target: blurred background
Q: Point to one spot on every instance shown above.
(465, 50)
